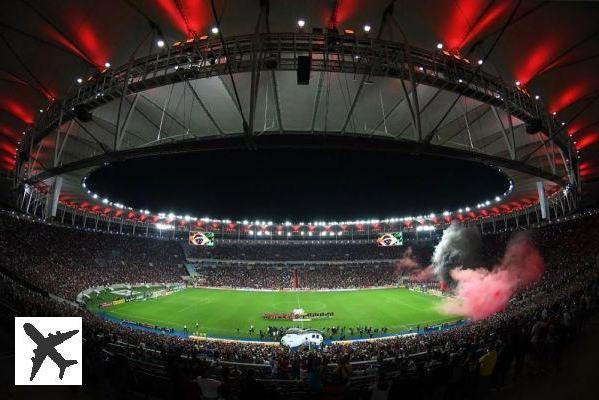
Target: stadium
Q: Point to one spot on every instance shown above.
(299, 199)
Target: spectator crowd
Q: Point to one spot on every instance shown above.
(308, 277)
(464, 362)
(65, 261)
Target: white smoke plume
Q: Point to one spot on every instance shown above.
(459, 247)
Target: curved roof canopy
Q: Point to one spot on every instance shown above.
(545, 49)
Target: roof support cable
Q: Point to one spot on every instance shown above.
(433, 131)
(413, 103)
(516, 19)
(571, 63)
(332, 24)
(484, 12)
(552, 63)
(118, 132)
(46, 43)
(47, 20)
(25, 67)
(179, 7)
(16, 79)
(228, 67)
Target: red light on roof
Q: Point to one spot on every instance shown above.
(348, 31)
(203, 37)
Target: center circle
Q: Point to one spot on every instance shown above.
(297, 184)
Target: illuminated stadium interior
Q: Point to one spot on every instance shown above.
(300, 199)
(298, 185)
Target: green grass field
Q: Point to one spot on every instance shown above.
(220, 312)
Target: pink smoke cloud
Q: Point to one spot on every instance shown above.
(424, 275)
(407, 261)
(408, 264)
(480, 292)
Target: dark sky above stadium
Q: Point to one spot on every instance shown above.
(297, 185)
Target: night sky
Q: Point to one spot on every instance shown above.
(297, 185)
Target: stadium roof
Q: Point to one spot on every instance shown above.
(548, 49)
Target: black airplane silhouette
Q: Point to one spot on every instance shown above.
(46, 347)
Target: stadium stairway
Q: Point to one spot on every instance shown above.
(191, 269)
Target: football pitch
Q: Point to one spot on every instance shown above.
(220, 313)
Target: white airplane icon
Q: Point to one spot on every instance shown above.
(46, 348)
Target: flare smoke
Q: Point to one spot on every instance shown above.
(480, 292)
(459, 247)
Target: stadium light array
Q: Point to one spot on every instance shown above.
(366, 28)
(160, 43)
(164, 227)
(301, 23)
(214, 30)
(263, 224)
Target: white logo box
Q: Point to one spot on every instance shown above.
(69, 349)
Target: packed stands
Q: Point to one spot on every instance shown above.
(65, 261)
(463, 362)
(294, 252)
(309, 277)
